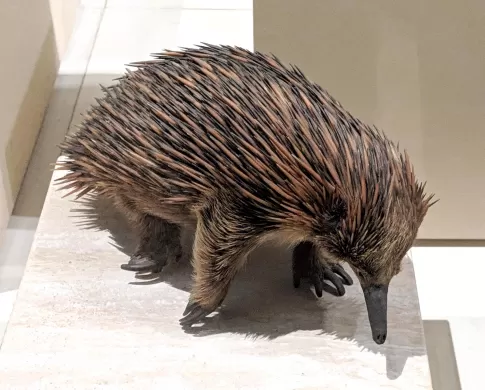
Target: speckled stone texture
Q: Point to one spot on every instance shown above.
(80, 322)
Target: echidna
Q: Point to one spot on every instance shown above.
(247, 149)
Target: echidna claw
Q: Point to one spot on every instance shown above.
(327, 273)
(340, 271)
(194, 313)
(140, 263)
(190, 306)
(307, 265)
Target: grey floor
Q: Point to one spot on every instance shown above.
(97, 55)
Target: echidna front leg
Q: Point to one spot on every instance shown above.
(222, 241)
(159, 243)
(307, 264)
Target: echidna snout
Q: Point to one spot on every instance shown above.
(376, 301)
(377, 264)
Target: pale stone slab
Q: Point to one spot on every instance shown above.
(80, 322)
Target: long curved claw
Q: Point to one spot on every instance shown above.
(140, 263)
(318, 284)
(328, 274)
(340, 271)
(190, 306)
(194, 313)
(321, 273)
(306, 265)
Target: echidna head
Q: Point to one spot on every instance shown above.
(374, 244)
(375, 268)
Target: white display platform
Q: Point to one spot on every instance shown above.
(80, 322)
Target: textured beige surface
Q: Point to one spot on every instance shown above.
(80, 322)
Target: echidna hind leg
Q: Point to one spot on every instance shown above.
(159, 244)
(307, 264)
(220, 247)
(158, 240)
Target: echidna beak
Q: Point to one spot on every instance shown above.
(376, 301)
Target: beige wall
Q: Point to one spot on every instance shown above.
(63, 13)
(416, 69)
(32, 39)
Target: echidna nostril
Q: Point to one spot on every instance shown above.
(381, 338)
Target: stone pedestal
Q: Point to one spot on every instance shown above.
(80, 322)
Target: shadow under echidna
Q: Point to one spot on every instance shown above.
(262, 302)
(248, 151)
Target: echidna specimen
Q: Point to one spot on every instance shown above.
(248, 149)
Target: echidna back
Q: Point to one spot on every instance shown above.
(188, 124)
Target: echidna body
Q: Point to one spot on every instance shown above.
(248, 149)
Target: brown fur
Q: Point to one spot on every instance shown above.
(248, 149)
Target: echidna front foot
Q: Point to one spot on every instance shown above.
(220, 249)
(306, 264)
(205, 298)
